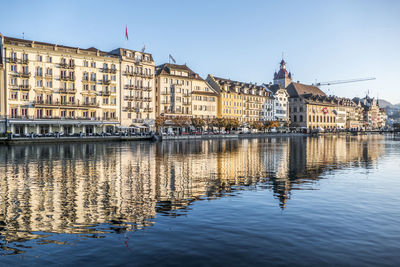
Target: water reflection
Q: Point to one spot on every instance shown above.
(91, 189)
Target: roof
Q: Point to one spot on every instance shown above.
(165, 69)
(328, 100)
(299, 89)
(220, 83)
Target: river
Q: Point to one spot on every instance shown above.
(250, 202)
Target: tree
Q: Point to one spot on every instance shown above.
(198, 123)
(181, 121)
(256, 125)
(160, 123)
(232, 123)
(219, 122)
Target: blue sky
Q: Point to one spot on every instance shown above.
(240, 40)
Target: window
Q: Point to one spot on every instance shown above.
(49, 59)
(85, 63)
(13, 68)
(14, 95)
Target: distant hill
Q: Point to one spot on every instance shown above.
(386, 104)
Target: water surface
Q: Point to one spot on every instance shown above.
(276, 201)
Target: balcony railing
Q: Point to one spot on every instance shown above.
(67, 66)
(13, 59)
(187, 103)
(129, 98)
(128, 73)
(106, 82)
(39, 75)
(64, 103)
(147, 99)
(105, 93)
(63, 118)
(129, 86)
(147, 88)
(165, 101)
(165, 93)
(129, 109)
(67, 90)
(25, 74)
(148, 109)
(25, 61)
(67, 78)
(24, 87)
(48, 75)
(139, 98)
(109, 70)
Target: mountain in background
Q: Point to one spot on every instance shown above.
(386, 104)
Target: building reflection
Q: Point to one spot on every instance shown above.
(76, 188)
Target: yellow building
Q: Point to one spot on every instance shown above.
(182, 92)
(239, 100)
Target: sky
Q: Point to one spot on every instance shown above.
(241, 40)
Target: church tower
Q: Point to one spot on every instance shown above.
(283, 77)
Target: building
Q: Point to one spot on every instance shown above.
(55, 88)
(282, 78)
(182, 92)
(239, 100)
(280, 102)
(204, 100)
(310, 108)
(137, 100)
(373, 117)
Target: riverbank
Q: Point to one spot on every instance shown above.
(72, 139)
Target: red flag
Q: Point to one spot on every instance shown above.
(126, 33)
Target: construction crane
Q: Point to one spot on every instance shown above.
(345, 81)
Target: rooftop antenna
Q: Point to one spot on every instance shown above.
(23, 35)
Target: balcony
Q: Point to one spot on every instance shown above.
(67, 90)
(109, 70)
(129, 109)
(147, 88)
(164, 92)
(24, 87)
(105, 93)
(67, 78)
(165, 101)
(139, 98)
(39, 75)
(129, 98)
(13, 59)
(147, 99)
(24, 74)
(129, 87)
(186, 103)
(25, 61)
(106, 82)
(48, 76)
(67, 66)
(128, 73)
(148, 110)
(85, 79)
